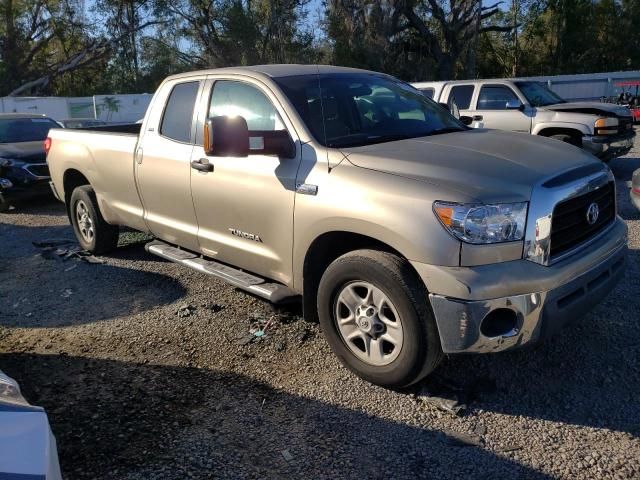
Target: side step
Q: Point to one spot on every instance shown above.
(274, 292)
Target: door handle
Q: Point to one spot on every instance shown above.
(202, 165)
(477, 118)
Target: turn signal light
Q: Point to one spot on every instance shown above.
(445, 214)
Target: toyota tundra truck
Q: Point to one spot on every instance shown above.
(406, 234)
(603, 129)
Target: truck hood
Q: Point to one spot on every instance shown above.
(30, 152)
(481, 165)
(593, 108)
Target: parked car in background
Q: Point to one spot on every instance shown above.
(23, 162)
(635, 188)
(27, 446)
(605, 130)
(82, 123)
(406, 233)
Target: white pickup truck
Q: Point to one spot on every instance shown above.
(603, 129)
(407, 234)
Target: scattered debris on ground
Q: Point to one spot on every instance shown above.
(64, 250)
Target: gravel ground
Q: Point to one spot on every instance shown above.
(145, 373)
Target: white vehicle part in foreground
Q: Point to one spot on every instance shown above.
(27, 446)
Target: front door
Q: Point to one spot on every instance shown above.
(492, 107)
(244, 206)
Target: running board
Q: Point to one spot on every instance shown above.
(274, 292)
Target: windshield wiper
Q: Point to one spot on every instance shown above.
(364, 139)
(440, 131)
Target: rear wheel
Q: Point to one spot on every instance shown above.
(94, 234)
(376, 317)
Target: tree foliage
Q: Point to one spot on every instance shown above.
(82, 47)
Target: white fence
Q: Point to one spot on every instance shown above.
(589, 86)
(130, 108)
(110, 108)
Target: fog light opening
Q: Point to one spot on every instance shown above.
(501, 322)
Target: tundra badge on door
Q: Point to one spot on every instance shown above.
(248, 236)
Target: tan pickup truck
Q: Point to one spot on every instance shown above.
(407, 234)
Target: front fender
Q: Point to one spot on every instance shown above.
(580, 127)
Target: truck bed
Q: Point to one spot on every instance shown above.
(127, 128)
(105, 155)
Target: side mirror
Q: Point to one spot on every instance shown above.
(272, 142)
(226, 137)
(515, 105)
(231, 137)
(466, 120)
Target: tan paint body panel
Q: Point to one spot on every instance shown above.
(383, 191)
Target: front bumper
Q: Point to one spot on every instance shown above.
(25, 182)
(541, 298)
(610, 146)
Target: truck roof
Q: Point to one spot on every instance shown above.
(274, 70)
(21, 115)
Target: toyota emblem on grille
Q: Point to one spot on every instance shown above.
(592, 213)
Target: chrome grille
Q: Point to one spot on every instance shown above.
(569, 224)
(625, 124)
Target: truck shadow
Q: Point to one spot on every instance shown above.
(123, 420)
(40, 289)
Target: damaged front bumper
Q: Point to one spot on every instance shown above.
(607, 147)
(509, 305)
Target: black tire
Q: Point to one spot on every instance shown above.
(421, 351)
(566, 138)
(4, 205)
(105, 236)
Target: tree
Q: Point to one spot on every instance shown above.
(448, 27)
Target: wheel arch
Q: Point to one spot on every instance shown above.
(325, 249)
(71, 180)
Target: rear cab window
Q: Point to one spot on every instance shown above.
(461, 95)
(178, 113)
(427, 92)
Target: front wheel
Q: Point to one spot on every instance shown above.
(94, 234)
(376, 317)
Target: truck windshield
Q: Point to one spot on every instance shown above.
(349, 110)
(538, 94)
(16, 130)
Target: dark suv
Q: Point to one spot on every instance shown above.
(23, 166)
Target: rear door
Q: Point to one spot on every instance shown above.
(162, 163)
(244, 205)
(491, 105)
(462, 96)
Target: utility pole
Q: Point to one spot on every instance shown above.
(514, 8)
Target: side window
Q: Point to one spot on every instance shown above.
(495, 97)
(427, 92)
(461, 95)
(231, 98)
(178, 114)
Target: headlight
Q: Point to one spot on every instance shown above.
(482, 224)
(5, 162)
(10, 391)
(606, 126)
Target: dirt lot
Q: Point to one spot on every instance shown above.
(145, 373)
